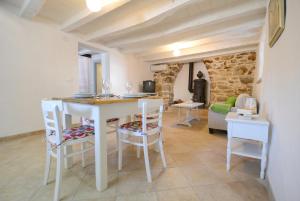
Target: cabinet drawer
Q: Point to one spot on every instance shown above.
(248, 131)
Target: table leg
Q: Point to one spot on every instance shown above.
(179, 116)
(100, 150)
(263, 160)
(67, 123)
(189, 117)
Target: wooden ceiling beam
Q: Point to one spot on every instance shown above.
(216, 19)
(126, 25)
(31, 8)
(86, 16)
(200, 51)
(244, 27)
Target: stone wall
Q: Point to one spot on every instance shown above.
(165, 82)
(230, 75)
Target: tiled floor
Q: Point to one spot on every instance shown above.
(196, 171)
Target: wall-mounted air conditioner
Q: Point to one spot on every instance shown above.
(158, 67)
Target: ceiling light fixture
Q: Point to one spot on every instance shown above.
(94, 5)
(176, 52)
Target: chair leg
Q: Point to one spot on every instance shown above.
(138, 151)
(83, 147)
(68, 160)
(161, 150)
(47, 164)
(120, 152)
(58, 179)
(146, 157)
(117, 136)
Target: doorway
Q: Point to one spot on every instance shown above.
(93, 67)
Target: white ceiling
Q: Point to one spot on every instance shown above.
(151, 29)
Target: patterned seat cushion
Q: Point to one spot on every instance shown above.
(112, 120)
(139, 116)
(136, 126)
(78, 132)
(90, 121)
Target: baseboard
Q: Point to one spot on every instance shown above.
(21, 135)
(270, 192)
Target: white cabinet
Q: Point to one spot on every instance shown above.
(247, 137)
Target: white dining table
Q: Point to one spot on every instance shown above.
(99, 110)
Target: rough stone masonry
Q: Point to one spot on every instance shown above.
(230, 75)
(164, 82)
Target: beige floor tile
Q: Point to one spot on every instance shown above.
(138, 197)
(203, 194)
(99, 199)
(183, 159)
(170, 178)
(87, 188)
(134, 182)
(199, 175)
(211, 158)
(216, 192)
(46, 193)
(180, 194)
(17, 192)
(250, 190)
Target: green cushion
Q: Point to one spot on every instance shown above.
(231, 100)
(222, 108)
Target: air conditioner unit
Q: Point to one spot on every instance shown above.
(158, 67)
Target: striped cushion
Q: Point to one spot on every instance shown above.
(136, 126)
(78, 132)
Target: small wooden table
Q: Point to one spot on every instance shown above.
(242, 134)
(189, 117)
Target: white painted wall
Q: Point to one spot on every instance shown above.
(133, 71)
(181, 83)
(280, 99)
(38, 61)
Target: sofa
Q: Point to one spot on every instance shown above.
(216, 121)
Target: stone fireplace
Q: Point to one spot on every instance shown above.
(229, 75)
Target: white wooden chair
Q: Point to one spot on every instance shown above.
(143, 133)
(57, 139)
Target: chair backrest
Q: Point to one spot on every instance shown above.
(152, 110)
(51, 114)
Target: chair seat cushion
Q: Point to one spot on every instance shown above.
(136, 126)
(78, 132)
(90, 121)
(139, 116)
(112, 120)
